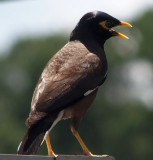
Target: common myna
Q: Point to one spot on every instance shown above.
(70, 81)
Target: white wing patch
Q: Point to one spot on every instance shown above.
(90, 91)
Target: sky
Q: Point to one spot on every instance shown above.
(28, 18)
(31, 18)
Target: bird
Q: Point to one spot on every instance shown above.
(69, 82)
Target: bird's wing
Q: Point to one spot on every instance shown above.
(67, 77)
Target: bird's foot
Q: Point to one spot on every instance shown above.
(104, 155)
(87, 153)
(90, 154)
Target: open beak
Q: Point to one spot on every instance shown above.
(124, 24)
(120, 34)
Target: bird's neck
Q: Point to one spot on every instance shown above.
(93, 43)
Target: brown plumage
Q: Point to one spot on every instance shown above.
(70, 80)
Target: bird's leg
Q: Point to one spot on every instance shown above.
(76, 134)
(49, 147)
(74, 129)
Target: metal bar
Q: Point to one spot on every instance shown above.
(58, 157)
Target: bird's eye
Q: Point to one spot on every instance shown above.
(109, 24)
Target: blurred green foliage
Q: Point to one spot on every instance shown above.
(113, 125)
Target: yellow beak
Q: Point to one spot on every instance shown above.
(125, 24)
(120, 34)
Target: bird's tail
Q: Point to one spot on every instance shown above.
(33, 138)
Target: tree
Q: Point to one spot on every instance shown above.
(119, 122)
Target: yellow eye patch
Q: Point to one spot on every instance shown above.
(103, 24)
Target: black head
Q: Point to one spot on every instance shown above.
(97, 25)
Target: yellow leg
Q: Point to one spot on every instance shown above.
(84, 147)
(50, 151)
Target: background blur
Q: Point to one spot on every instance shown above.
(120, 122)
